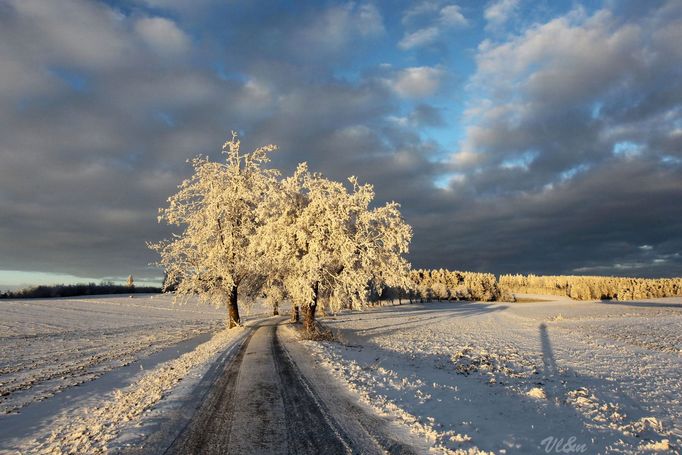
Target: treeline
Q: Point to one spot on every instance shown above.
(593, 287)
(73, 290)
(441, 284)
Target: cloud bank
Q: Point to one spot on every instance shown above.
(552, 147)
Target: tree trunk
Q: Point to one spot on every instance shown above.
(233, 309)
(309, 317)
(275, 309)
(294, 314)
(309, 321)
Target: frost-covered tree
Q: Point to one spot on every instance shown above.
(274, 295)
(593, 287)
(217, 208)
(131, 281)
(327, 241)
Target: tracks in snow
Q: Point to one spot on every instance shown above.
(262, 403)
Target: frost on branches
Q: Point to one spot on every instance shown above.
(325, 241)
(217, 209)
(306, 238)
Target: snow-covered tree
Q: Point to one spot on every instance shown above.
(326, 241)
(274, 294)
(131, 281)
(218, 210)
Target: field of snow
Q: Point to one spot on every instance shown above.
(537, 377)
(50, 345)
(75, 372)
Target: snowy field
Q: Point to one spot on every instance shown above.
(53, 344)
(75, 371)
(557, 376)
(537, 377)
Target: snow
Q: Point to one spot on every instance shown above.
(38, 417)
(464, 377)
(122, 353)
(504, 377)
(49, 345)
(90, 430)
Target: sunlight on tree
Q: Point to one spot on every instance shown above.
(304, 237)
(325, 241)
(217, 209)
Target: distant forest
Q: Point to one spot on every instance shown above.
(72, 290)
(443, 284)
(439, 284)
(593, 287)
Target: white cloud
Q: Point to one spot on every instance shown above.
(452, 15)
(568, 57)
(417, 82)
(337, 27)
(419, 38)
(580, 91)
(369, 21)
(162, 35)
(499, 12)
(438, 20)
(419, 9)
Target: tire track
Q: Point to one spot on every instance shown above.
(262, 403)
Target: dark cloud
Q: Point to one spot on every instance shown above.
(427, 115)
(102, 103)
(570, 158)
(594, 222)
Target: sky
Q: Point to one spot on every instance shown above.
(519, 137)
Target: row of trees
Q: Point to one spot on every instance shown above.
(593, 287)
(444, 284)
(72, 290)
(247, 231)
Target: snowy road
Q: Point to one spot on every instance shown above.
(262, 403)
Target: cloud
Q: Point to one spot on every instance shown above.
(419, 38)
(162, 35)
(339, 25)
(499, 12)
(84, 171)
(427, 115)
(435, 19)
(451, 15)
(74, 32)
(538, 92)
(100, 108)
(565, 140)
(417, 82)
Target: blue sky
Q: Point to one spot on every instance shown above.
(518, 136)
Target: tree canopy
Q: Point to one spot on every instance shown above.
(247, 230)
(217, 209)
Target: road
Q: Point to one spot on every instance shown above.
(263, 403)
